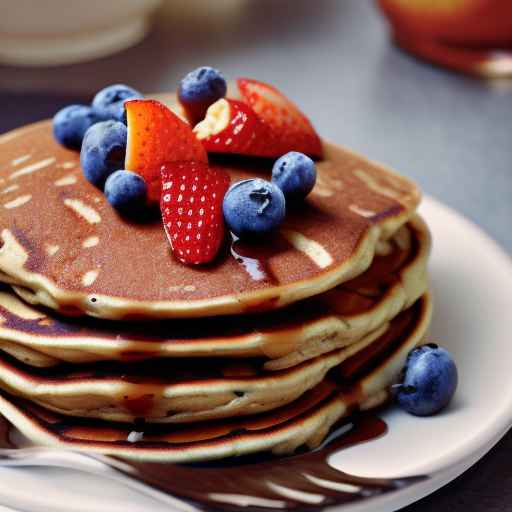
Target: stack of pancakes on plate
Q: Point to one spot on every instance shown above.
(110, 344)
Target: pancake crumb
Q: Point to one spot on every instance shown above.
(361, 211)
(19, 201)
(135, 437)
(312, 249)
(52, 249)
(20, 160)
(84, 211)
(89, 277)
(70, 179)
(12, 188)
(29, 169)
(90, 242)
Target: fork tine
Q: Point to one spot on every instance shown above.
(370, 486)
(325, 495)
(327, 472)
(300, 482)
(226, 488)
(226, 502)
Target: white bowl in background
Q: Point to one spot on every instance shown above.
(55, 32)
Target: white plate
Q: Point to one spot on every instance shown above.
(472, 285)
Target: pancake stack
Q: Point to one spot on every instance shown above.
(110, 344)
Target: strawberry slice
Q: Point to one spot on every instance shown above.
(292, 129)
(231, 126)
(156, 136)
(191, 206)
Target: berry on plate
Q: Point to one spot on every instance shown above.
(126, 192)
(71, 123)
(295, 174)
(109, 102)
(430, 381)
(157, 136)
(103, 151)
(199, 89)
(292, 129)
(253, 208)
(191, 206)
(231, 126)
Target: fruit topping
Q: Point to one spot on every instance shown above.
(292, 129)
(191, 206)
(231, 126)
(144, 154)
(71, 123)
(126, 192)
(157, 136)
(295, 174)
(199, 89)
(253, 208)
(430, 381)
(109, 102)
(103, 151)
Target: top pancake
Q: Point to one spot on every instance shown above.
(64, 242)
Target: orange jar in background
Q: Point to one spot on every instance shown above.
(473, 36)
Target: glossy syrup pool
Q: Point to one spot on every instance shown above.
(302, 481)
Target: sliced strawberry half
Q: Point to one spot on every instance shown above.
(231, 126)
(292, 129)
(155, 136)
(191, 206)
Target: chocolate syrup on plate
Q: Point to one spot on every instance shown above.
(303, 481)
(259, 482)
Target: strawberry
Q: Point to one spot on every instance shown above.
(156, 136)
(231, 126)
(291, 128)
(191, 206)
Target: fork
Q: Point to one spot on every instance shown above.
(299, 482)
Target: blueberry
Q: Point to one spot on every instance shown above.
(109, 102)
(430, 380)
(103, 151)
(295, 174)
(126, 191)
(71, 123)
(199, 89)
(253, 207)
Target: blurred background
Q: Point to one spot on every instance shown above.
(336, 58)
(440, 112)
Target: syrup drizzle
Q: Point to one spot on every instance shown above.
(255, 257)
(260, 482)
(253, 266)
(247, 483)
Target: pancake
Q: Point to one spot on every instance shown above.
(72, 252)
(189, 389)
(361, 382)
(168, 390)
(287, 337)
(4, 278)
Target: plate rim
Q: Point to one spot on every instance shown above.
(464, 456)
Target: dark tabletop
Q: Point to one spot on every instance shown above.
(451, 133)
